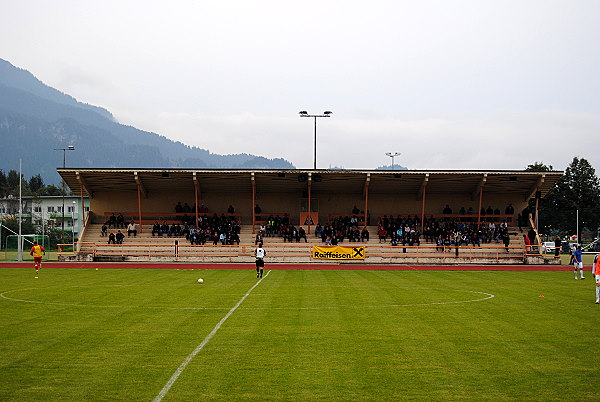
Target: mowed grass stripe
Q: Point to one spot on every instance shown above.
(516, 345)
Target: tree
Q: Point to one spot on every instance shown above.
(36, 183)
(539, 167)
(13, 180)
(3, 184)
(577, 190)
(13, 183)
(49, 190)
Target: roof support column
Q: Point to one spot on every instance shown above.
(196, 198)
(423, 196)
(139, 197)
(367, 182)
(253, 202)
(309, 181)
(481, 184)
(480, 204)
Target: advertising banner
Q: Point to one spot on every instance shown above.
(338, 253)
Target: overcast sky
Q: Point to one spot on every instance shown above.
(448, 84)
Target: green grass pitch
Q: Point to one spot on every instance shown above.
(86, 334)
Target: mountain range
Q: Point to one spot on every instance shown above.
(36, 119)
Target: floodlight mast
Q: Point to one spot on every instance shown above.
(69, 148)
(392, 155)
(304, 113)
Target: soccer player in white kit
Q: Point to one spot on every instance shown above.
(260, 253)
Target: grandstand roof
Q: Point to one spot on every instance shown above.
(517, 183)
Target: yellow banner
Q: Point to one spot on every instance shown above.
(338, 253)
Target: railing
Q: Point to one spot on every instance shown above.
(82, 233)
(394, 253)
(497, 253)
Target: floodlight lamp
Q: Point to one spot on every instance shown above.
(327, 113)
(71, 148)
(304, 112)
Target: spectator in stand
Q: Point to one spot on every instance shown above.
(259, 238)
(509, 211)
(178, 207)
(364, 235)
(121, 221)
(156, 229)
(257, 209)
(531, 234)
(112, 221)
(131, 229)
(318, 230)
(527, 242)
(119, 237)
(230, 209)
(355, 210)
(382, 233)
(462, 211)
(506, 240)
(111, 238)
(103, 231)
(302, 234)
(475, 239)
(164, 228)
(447, 210)
(186, 208)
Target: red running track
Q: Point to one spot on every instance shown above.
(372, 267)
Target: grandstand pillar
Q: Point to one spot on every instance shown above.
(480, 203)
(366, 217)
(139, 193)
(309, 181)
(424, 195)
(481, 185)
(196, 198)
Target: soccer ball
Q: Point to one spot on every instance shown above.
(200, 280)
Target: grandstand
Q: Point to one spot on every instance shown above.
(305, 198)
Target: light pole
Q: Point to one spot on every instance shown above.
(69, 148)
(73, 222)
(392, 155)
(325, 114)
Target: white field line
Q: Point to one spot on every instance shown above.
(488, 296)
(188, 359)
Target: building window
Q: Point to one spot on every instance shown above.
(37, 209)
(70, 209)
(50, 209)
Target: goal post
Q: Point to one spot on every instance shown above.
(12, 242)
